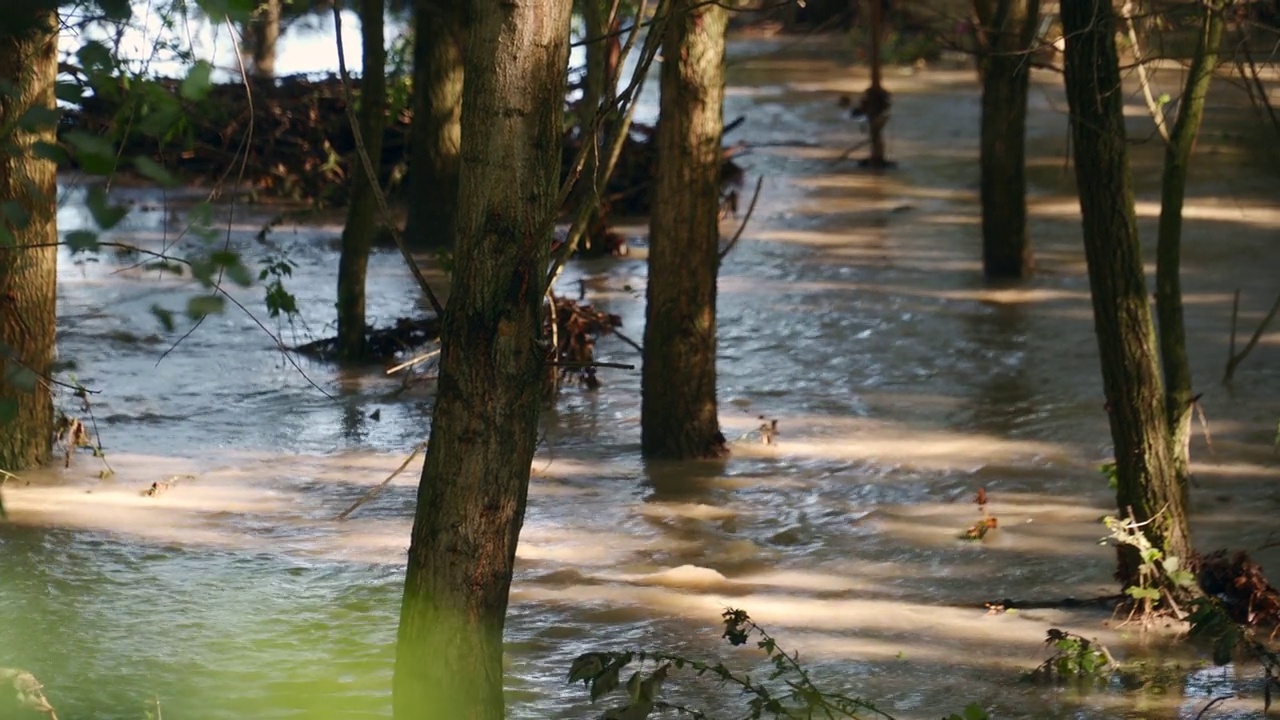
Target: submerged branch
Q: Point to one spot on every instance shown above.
(1234, 359)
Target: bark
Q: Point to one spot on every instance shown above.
(362, 213)
(1173, 334)
(475, 480)
(1147, 479)
(1008, 29)
(264, 34)
(678, 383)
(28, 250)
(595, 25)
(436, 134)
(877, 98)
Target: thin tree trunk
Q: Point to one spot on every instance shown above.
(475, 480)
(1173, 333)
(362, 212)
(264, 36)
(1147, 478)
(594, 80)
(1008, 28)
(678, 409)
(877, 105)
(436, 133)
(28, 235)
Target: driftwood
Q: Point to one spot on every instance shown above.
(381, 344)
(573, 329)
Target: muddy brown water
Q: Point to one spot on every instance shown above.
(853, 312)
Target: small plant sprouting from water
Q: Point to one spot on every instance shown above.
(1108, 471)
(984, 525)
(1156, 571)
(787, 692)
(1074, 656)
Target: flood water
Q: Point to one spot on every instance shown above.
(853, 311)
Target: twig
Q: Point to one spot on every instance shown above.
(1153, 107)
(1211, 703)
(572, 364)
(745, 219)
(627, 340)
(373, 491)
(369, 171)
(1235, 359)
(421, 358)
(245, 141)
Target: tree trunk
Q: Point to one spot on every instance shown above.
(436, 134)
(1008, 28)
(1147, 480)
(595, 26)
(264, 34)
(28, 235)
(678, 409)
(475, 480)
(876, 103)
(1173, 333)
(362, 212)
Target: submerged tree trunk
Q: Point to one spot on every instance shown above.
(362, 212)
(475, 480)
(1008, 30)
(1173, 334)
(435, 136)
(678, 409)
(877, 100)
(28, 234)
(263, 35)
(1148, 484)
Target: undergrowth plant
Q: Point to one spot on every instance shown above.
(787, 691)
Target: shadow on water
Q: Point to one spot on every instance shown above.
(853, 311)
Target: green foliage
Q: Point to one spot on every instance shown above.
(973, 711)
(787, 691)
(1108, 471)
(1157, 573)
(1075, 657)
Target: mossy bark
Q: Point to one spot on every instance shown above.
(1148, 483)
(679, 418)
(1177, 159)
(28, 234)
(471, 499)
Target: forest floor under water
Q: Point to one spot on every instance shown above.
(853, 311)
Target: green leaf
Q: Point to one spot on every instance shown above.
(96, 155)
(164, 316)
(21, 377)
(198, 81)
(6, 238)
(116, 10)
(69, 92)
(96, 57)
(605, 682)
(104, 213)
(49, 151)
(82, 241)
(15, 214)
(973, 711)
(8, 410)
(202, 305)
(220, 10)
(39, 118)
(633, 686)
(154, 171)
